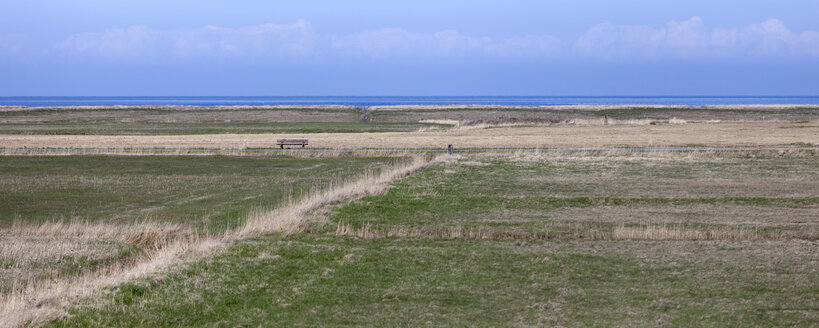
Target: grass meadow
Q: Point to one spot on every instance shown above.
(214, 191)
(64, 216)
(175, 120)
(607, 238)
(166, 128)
(647, 239)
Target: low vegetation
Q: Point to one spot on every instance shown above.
(531, 137)
(685, 239)
(213, 191)
(305, 280)
(159, 128)
(172, 120)
(601, 238)
(68, 217)
(555, 196)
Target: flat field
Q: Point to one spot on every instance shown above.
(606, 238)
(557, 136)
(212, 190)
(198, 120)
(63, 216)
(325, 281)
(526, 195)
(621, 113)
(681, 239)
(181, 120)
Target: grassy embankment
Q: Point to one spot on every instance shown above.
(547, 251)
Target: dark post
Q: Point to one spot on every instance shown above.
(449, 149)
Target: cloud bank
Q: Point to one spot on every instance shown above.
(692, 38)
(299, 42)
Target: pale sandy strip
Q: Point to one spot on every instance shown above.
(43, 302)
(726, 134)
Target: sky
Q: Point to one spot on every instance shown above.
(409, 48)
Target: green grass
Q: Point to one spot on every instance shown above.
(120, 128)
(308, 281)
(214, 190)
(554, 196)
(320, 279)
(161, 110)
(522, 115)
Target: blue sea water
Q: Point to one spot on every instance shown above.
(407, 100)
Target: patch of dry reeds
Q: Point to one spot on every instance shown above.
(458, 232)
(757, 134)
(148, 236)
(581, 232)
(293, 218)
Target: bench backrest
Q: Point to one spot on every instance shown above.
(292, 141)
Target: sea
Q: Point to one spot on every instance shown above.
(367, 101)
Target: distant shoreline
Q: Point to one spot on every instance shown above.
(421, 107)
(417, 102)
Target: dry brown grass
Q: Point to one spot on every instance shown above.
(648, 231)
(560, 136)
(293, 218)
(25, 260)
(149, 236)
(162, 246)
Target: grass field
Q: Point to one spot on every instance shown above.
(595, 113)
(64, 216)
(214, 190)
(165, 120)
(557, 136)
(611, 238)
(549, 196)
(406, 258)
(159, 128)
(308, 280)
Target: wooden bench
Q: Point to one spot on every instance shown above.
(291, 142)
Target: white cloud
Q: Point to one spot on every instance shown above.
(531, 46)
(691, 38)
(397, 42)
(297, 41)
(771, 37)
(264, 40)
(11, 44)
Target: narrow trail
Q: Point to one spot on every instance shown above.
(40, 303)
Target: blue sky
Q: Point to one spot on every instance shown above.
(578, 47)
